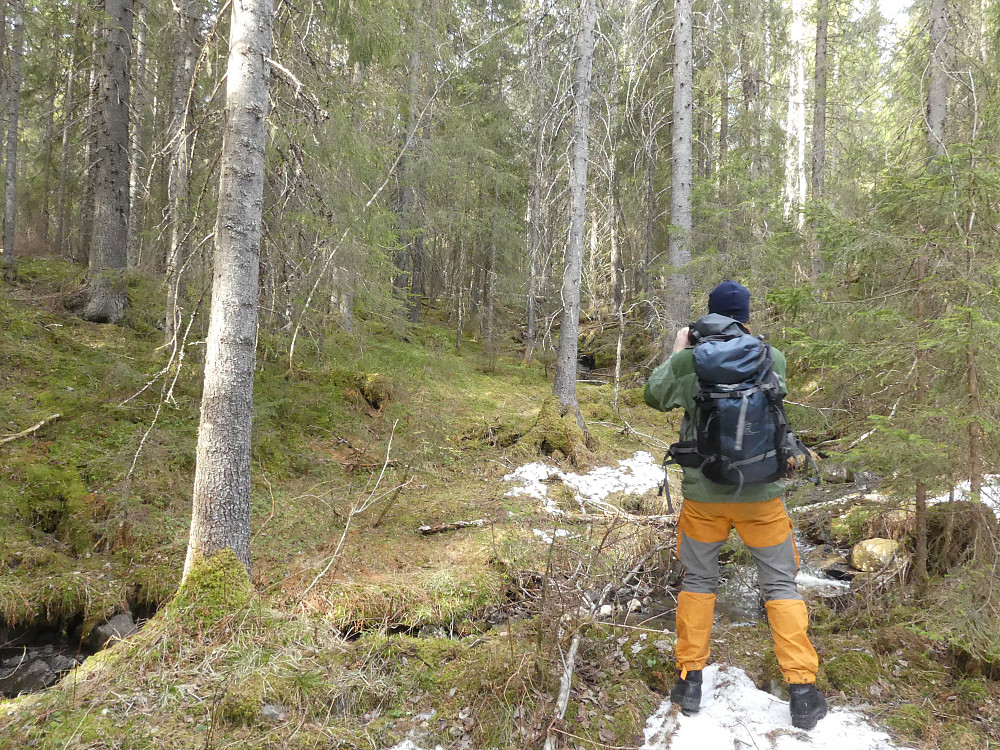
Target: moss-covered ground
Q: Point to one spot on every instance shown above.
(361, 630)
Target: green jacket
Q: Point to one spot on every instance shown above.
(673, 385)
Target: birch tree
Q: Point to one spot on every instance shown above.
(564, 386)
(818, 174)
(679, 244)
(186, 22)
(220, 516)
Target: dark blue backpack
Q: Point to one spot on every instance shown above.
(742, 435)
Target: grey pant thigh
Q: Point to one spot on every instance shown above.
(776, 569)
(701, 565)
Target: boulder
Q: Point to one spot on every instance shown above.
(115, 629)
(28, 677)
(873, 555)
(832, 473)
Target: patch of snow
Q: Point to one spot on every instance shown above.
(548, 538)
(734, 713)
(410, 745)
(633, 476)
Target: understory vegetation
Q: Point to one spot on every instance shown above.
(359, 630)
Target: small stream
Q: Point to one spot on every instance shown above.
(34, 658)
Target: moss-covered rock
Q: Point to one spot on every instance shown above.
(556, 433)
(370, 389)
(214, 589)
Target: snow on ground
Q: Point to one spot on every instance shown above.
(735, 714)
(632, 476)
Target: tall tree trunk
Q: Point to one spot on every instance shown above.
(564, 386)
(85, 247)
(67, 114)
(407, 198)
(535, 231)
(108, 294)
(682, 173)
(819, 129)
(920, 502)
(47, 139)
(645, 280)
(220, 516)
(180, 154)
(937, 91)
(795, 129)
(135, 144)
(491, 274)
(13, 110)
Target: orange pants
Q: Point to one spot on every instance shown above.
(767, 532)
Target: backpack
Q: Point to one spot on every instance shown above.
(742, 435)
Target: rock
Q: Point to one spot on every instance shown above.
(873, 555)
(118, 627)
(432, 631)
(606, 611)
(634, 605)
(835, 473)
(274, 712)
(28, 677)
(61, 663)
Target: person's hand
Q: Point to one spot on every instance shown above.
(681, 340)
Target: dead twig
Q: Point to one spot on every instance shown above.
(30, 430)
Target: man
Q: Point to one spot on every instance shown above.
(710, 510)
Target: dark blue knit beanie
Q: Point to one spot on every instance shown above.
(730, 299)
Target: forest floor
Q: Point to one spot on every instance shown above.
(364, 631)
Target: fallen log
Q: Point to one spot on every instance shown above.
(453, 526)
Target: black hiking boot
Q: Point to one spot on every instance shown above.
(686, 693)
(806, 704)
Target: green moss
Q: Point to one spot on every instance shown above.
(556, 432)
(911, 720)
(853, 672)
(370, 389)
(216, 587)
(443, 597)
(964, 737)
(242, 702)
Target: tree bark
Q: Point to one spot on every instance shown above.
(937, 92)
(819, 129)
(682, 173)
(135, 143)
(220, 516)
(85, 246)
(67, 115)
(920, 501)
(564, 386)
(180, 154)
(795, 129)
(13, 111)
(108, 294)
